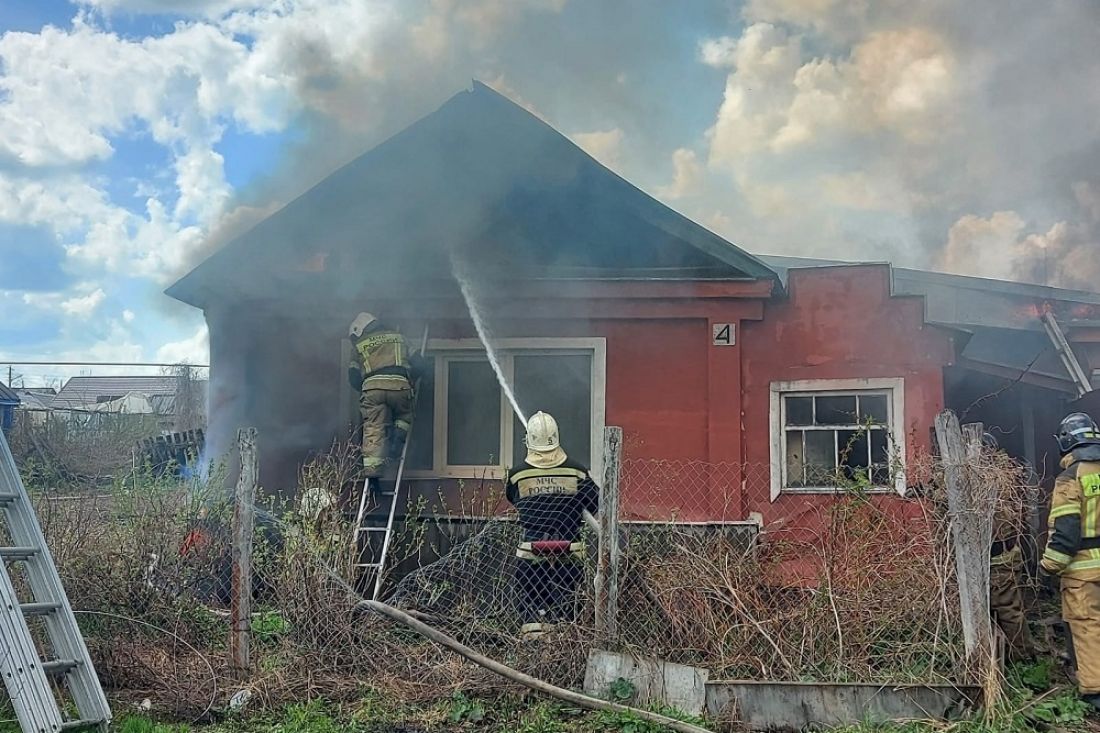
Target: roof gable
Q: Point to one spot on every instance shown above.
(482, 177)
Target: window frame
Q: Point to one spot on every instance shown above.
(895, 387)
(445, 350)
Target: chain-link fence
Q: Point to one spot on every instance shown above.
(850, 586)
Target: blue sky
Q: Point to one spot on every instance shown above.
(135, 133)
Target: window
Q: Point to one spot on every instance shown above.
(465, 427)
(473, 399)
(828, 432)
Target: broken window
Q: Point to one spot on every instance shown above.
(833, 438)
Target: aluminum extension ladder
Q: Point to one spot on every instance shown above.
(379, 566)
(42, 681)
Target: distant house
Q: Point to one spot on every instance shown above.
(34, 403)
(9, 400)
(85, 394)
(141, 395)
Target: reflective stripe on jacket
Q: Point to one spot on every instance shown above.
(550, 501)
(383, 350)
(1073, 540)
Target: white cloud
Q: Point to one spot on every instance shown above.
(719, 52)
(777, 100)
(1002, 246)
(605, 146)
(873, 130)
(194, 349)
(81, 301)
(66, 93)
(183, 7)
(687, 177)
(83, 306)
(977, 245)
(128, 316)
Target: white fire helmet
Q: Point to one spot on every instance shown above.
(543, 443)
(360, 324)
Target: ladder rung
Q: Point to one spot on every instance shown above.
(60, 666)
(372, 529)
(373, 565)
(73, 724)
(6, 499)
(39, 608)
(18, 553)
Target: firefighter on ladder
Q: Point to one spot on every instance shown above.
(1073, 545)
(382, 372)
(1006, 600)
(550, 493)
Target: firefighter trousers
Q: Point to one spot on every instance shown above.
(381, 410)
(1081, 610)
(1006, 602)
(547, 589)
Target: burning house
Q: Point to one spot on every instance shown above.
(608, 308)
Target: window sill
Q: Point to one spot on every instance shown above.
(476, 473)
(837, 490)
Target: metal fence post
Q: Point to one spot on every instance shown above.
(243, 516)
(607, 565)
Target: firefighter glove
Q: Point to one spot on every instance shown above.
(355, 378)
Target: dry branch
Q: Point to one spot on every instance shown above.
(574, 698)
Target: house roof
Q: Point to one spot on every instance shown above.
(8, 396)
(969, 302)
(480, 178)
(997, 320)
(35, 399)
(80, 392)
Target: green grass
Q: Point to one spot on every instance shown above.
(1038, 701)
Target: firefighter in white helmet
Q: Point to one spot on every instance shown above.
(550, 492)
(381, 370)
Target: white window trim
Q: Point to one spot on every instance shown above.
(815, 386)
(596, 347)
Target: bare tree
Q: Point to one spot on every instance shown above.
(189, 403)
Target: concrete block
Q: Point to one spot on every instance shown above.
(770, 706)
(656, 682)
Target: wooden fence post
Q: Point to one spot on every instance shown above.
(607, 565)
(243, 515)
(971, 530)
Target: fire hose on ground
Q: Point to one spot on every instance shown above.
(574, 698)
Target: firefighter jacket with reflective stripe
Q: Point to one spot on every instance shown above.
(382, 352)
(550, 501)
(1073, 539)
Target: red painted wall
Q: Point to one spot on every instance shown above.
(676, 397)
(837, 323)
(703, 410)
